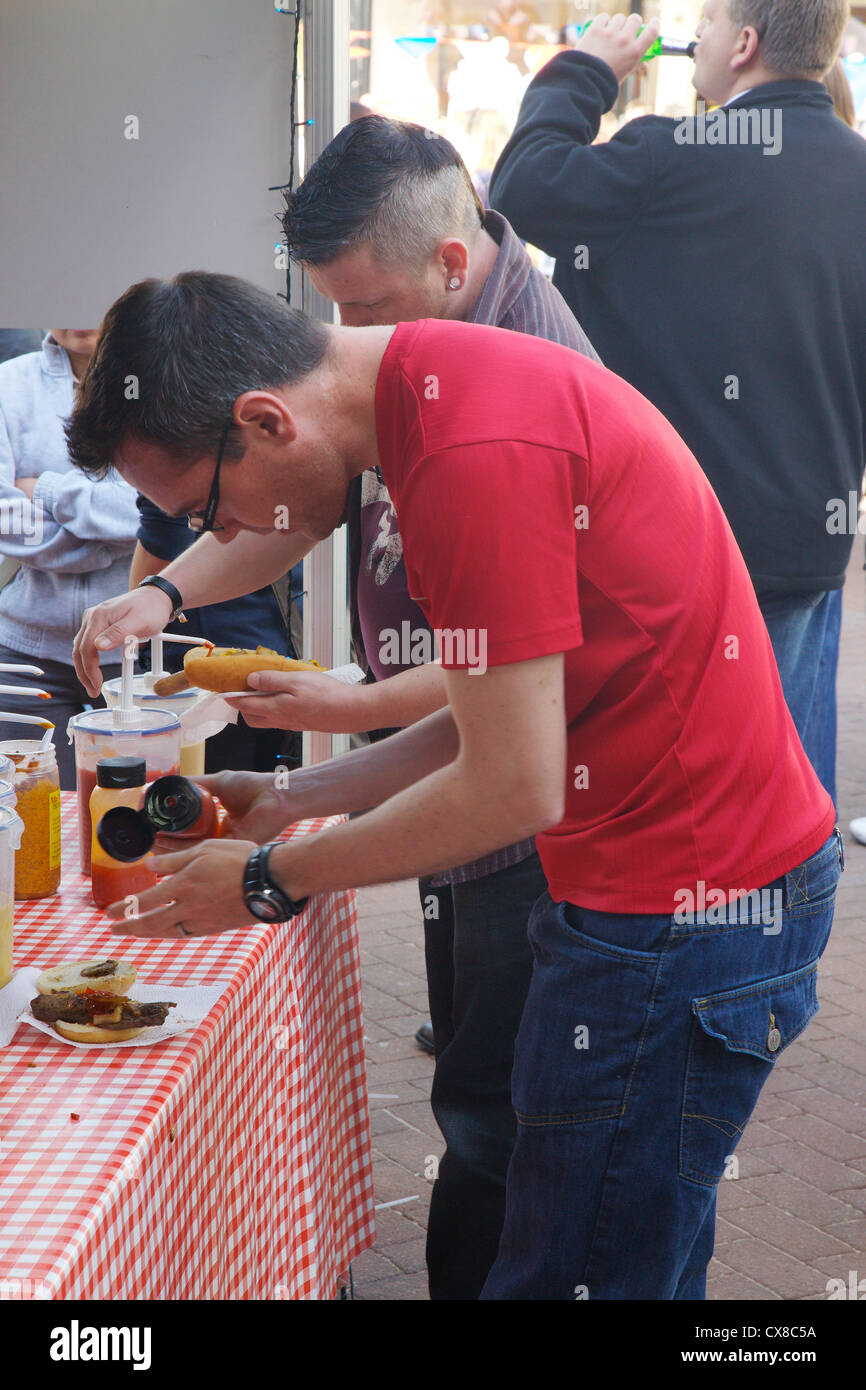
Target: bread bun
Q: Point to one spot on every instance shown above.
(226, 668)
(59, 978)
(89, 1033)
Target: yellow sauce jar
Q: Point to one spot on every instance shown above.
(37, 790)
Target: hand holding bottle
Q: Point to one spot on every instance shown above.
(256, 808)
(619, 40)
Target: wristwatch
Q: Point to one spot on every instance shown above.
(167, 588)
(262, 896)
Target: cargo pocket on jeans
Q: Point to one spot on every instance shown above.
(735, 1039)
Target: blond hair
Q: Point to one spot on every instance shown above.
(837, 84)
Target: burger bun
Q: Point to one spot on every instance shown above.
(89, 1033)
(69, 977)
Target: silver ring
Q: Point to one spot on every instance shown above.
(182, 929)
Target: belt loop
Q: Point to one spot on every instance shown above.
(840, 848)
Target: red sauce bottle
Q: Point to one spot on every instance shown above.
(171, 806)
(176, 806)
(119, 782)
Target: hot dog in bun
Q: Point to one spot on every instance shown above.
(227, 668)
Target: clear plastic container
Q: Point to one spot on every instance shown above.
(191, 752)
(7, 770)
(37, 792)
(155, 736)
(7, 788)
(11, 827)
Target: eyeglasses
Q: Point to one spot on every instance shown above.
(204, 521)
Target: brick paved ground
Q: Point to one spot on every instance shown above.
(796, 1215)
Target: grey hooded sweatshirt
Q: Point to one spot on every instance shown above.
(74, 542)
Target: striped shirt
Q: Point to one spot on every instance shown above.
(515, 296)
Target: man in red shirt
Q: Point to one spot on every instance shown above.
(610, 682)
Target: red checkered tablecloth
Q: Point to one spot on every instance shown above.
(230, 1162)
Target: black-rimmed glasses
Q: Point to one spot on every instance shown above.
(204, 521)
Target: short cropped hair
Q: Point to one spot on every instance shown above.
(797, 37)
(392, 184)
(172, 358)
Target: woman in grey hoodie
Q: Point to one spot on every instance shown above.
(71, 538)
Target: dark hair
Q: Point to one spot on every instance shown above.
(172, 358)
(391, 183)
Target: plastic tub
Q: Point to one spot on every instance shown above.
(192, 747)
(155, 736)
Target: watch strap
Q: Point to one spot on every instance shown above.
(257, 879)
(297, 904)
(159, 582)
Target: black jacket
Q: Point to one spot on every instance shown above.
(725, 283)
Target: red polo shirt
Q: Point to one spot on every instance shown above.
(545, 506)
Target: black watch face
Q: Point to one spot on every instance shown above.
(261, 905)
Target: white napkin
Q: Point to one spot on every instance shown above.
(206, 716)
(14, 997)
(347, 675)
(193, 1003)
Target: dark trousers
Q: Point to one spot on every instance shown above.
(241, 748)
(479, 964)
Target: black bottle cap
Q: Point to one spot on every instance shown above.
(124, 834)
(172, 803)
(121, 772)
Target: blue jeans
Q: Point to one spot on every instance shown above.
(804, 630)
(643, 1048)
(479, 964)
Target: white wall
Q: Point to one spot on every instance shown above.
(85, 211)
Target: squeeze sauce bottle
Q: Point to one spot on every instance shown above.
(170, 806)
(119, 782)
(176, 806)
